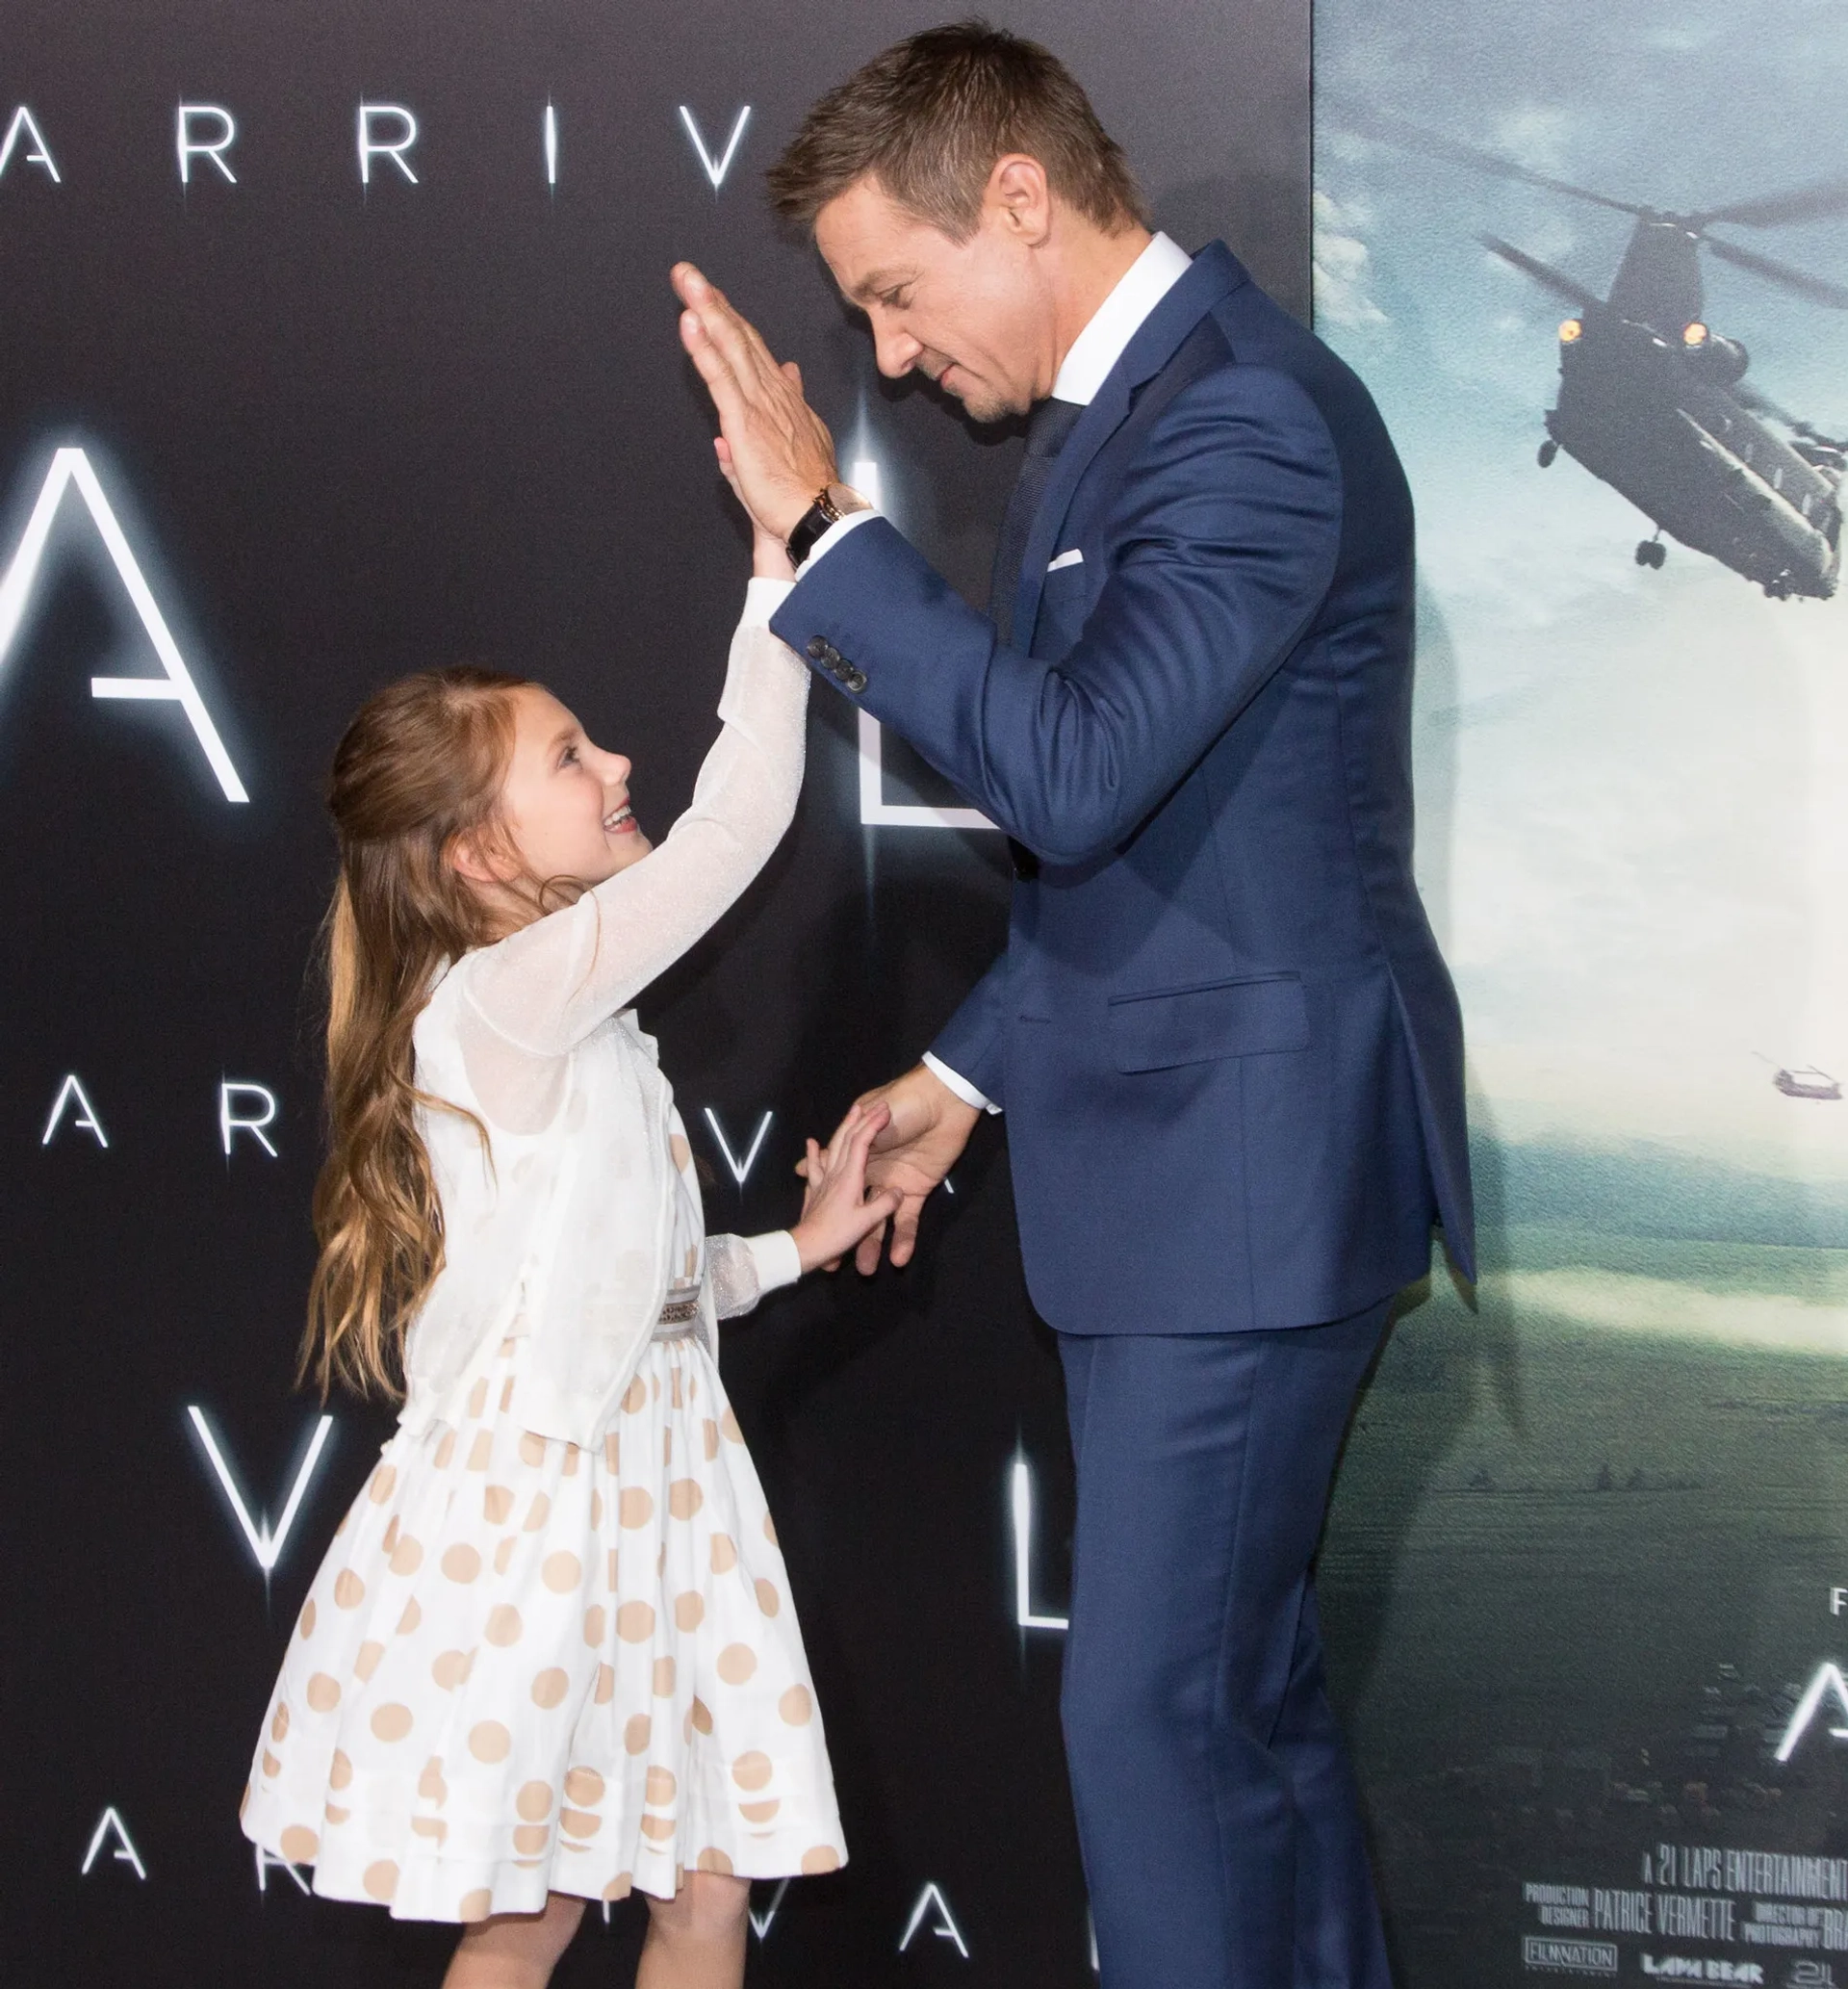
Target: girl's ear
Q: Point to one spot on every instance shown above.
(471, 857)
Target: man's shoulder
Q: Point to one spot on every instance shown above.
(1251, 329)
(1214, 389)
(1248, 359)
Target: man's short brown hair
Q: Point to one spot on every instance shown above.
(928, 118)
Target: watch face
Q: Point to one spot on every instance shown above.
(845, 498)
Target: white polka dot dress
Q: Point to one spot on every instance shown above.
(530, 1664)
(527, 1666)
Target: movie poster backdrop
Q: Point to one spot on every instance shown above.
(1585, 1575)
(335, 342)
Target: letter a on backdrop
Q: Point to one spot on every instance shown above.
(25, 125)
(124, 1853)
(72, 1092)
(71, 469)
(1828, 1684)
(931, 1900)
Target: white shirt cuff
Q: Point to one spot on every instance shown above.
(959, 1085)
(778, 1260)
(761, 600)
(834, 535)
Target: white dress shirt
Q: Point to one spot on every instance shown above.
(1085, 367)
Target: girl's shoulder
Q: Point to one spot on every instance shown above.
(438, 1015)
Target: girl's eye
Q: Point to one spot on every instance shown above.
(571, 757)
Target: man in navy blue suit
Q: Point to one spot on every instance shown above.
(1228, 1051)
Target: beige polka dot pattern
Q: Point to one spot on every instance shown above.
(548, 1676)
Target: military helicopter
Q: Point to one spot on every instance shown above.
(1654, 403)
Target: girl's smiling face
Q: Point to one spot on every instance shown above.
(564, 805)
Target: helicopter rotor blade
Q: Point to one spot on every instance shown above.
(1543, 273)
(1818, 289)
(1749, 396)
(1814, 202)
(1385, 127)
(1762, 404)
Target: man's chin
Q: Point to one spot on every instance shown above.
(980, 403)
(987, 409)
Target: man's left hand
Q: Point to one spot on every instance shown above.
(776, 451)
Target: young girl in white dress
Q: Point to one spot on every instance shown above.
(551, 1654)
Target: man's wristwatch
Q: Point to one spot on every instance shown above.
(833, 502)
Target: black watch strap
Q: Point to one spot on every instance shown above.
(809, 526)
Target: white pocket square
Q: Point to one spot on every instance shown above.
(1072, 558)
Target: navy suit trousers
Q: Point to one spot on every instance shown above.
(1216, 1811)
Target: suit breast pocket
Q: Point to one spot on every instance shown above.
(1066, 597)
(1249, 1016)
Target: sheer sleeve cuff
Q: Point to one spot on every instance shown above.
(761, 600)
(777, 1259)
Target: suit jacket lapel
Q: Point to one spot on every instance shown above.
(1215, 273)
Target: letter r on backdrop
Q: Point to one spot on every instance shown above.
(238, 1101)
(212, 140)
(399, 135)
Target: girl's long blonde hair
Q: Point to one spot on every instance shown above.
(420, 766)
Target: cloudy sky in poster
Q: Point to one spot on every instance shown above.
(1634, 785)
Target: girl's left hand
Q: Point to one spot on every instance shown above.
(836, 1211)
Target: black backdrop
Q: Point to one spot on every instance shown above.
(348, 430)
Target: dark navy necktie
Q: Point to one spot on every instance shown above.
(1047, 428)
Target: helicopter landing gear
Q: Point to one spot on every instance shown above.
(1548, 448)
(1651, 552)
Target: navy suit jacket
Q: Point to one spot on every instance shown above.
(1228, 1049)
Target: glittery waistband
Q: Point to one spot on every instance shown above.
(680, 1317)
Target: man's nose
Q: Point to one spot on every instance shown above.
(896, 352)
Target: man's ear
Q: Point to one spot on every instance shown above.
(1018, 192)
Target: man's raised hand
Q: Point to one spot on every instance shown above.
(776, 452)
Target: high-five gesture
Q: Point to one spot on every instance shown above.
(775, 450)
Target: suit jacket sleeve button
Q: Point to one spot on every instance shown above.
(854, 679)
(818, 649)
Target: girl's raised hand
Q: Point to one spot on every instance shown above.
(836, 1211)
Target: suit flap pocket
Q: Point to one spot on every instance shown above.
(1221, 1019)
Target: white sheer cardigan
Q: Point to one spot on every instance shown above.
(561, 1226)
